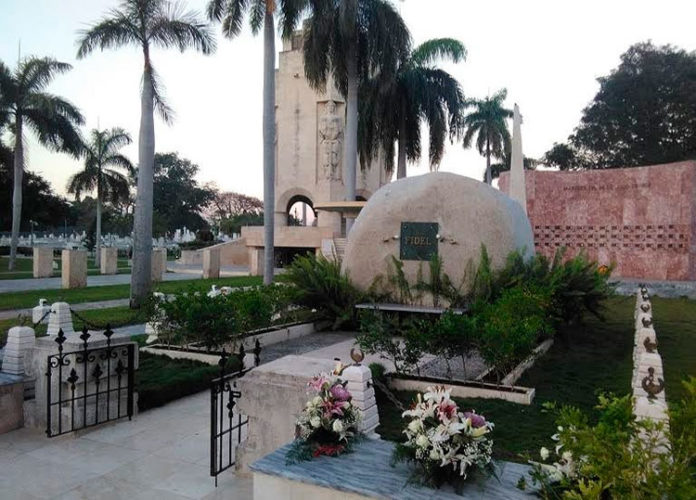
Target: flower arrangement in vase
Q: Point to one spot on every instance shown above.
(328, 424)
(445, 444)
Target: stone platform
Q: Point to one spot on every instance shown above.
(367, 473)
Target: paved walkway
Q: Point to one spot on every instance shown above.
(161, 454)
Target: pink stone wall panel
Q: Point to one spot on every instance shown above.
(641, 219)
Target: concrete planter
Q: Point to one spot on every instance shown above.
(266, 337)
(514, 394)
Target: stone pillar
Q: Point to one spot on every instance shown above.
(159, 264)
(43, 262)
(256, 261)
(211, 263)
(74, 272)
(38, 313)
(273, 396)
(109, 260)
(359, 385)
(19, 340)
(60, 318)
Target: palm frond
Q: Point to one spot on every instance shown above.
(431, 51)
(35, 73)
(55, 122)
(161, 105)
(113, 31)
(183, 29)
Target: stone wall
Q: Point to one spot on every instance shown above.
(642, 218)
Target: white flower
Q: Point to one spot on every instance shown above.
(567, 456)
(422, 441)
(317, 401)
(415, 425)
(434, 455)
(544, 452)
(337, 426)
(315, 422)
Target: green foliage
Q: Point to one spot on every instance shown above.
(378, 370)
(621, 457)
(511, 327)
(319, 284)
(643, 113)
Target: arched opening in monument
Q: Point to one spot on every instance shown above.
(300, 211)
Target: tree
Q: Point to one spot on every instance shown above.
(178, 200)
(53, 120)
(504, 165)
(352, 40)
(643, 114)
(564, 157)
(392, 109)
(147, 24)
(487, 123)
(228, 204)
(231, 13)
(111, 185)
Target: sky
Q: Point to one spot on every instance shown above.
(547, 54)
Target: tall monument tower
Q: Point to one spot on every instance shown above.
(309, 144)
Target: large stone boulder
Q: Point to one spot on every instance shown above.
(468, 214)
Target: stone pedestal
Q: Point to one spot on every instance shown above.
(11, 402)
(211, 263)
(60, 318)
(359, 379)
(20, 339)
(109, 260)
(38, 313)
(256, 261)
(74, 272)
(159, 264)
(273, 396)
(43, 262)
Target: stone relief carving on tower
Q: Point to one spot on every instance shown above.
(331, 142)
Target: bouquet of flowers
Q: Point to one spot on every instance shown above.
(443, 442)
(328, 424)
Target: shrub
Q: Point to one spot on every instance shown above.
(621, 457)
(319, 284)
(510, 328)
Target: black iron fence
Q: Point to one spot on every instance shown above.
(227, 425)
(88, 386)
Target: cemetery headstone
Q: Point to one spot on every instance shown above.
(74, 268)
(109, 260)
(43, 262)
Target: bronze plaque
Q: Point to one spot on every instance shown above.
(418, 240)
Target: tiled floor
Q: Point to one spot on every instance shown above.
(161, 454)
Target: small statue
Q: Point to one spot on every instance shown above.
(649, 345)
(650, 386)
(645, 307)
(647, 322)
(331, 140)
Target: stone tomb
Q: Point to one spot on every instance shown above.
(109, 260)
(211, 263)
(158, 264)
(437, 214)
(43, 262)
(74, 268)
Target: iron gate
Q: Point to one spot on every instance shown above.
(88, 386)
(226, 425)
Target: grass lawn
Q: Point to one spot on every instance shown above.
(583, 360)
(23, 268)
(160, 379)
(21, 300)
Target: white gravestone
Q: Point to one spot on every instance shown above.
(19, 340)
(38, 313)
(60, 318)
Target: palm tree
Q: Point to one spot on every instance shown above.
(487, 123)
(231, 13)
(147, 24)
(352, 40)
(54, 121)
(111, 185)
(393, 108)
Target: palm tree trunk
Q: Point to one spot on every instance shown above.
(268, 146)
(141, 273)
(17, 192)
(489, 180)
(350, 150)
(97, 256)
(401, 162)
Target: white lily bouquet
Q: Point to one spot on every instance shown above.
(444, 443)
(328, 424)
